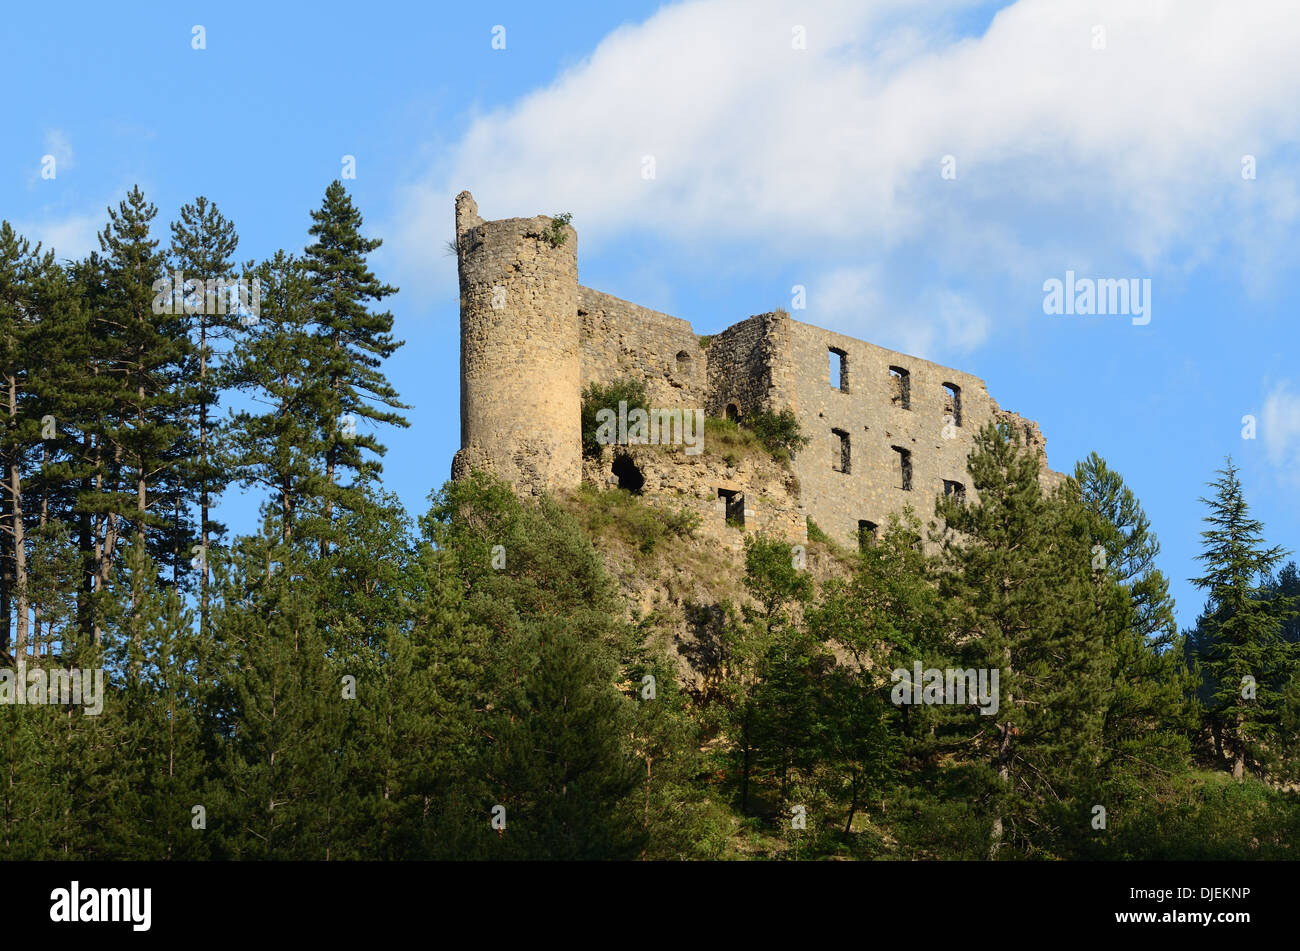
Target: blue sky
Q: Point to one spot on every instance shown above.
(793, 144)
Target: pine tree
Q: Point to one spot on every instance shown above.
(359, 341)
(1018, 569)
(153, 650)
(551, 739)
(676, 816)
(1148, 714)
(1244, 654)
(751, 641)
(280, 792)
(151, 355)
(202, 249)
(277, 363)
(21, 308)
(857, 751)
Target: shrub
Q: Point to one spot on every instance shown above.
(598, 396)
(620, 514)
(815, 534)
(556, 234)
(778, 432)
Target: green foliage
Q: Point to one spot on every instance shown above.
(1027, 604)
(555, 232)
(723, 437)
(608, 396)
(815, 534)
(779, 433)
(620, 514)
(350, 683)
(1238, 643)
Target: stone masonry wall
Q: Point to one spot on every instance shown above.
(519, 359)
(674, 480)
(532, 338)
(741, 362)
(871, 413)
(620, 339)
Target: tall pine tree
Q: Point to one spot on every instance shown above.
(1242, 651)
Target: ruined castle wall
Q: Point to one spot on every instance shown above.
(532, 338)
(620, 339)
(519, 339)
(766, 494)
(751, 365)
(870, 411)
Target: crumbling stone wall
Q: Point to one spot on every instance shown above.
(620, 339)
(872, 414)
(519, 355)
(532, 338)
(674, 480)
(748, 365)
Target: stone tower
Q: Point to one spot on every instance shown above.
(520, 375)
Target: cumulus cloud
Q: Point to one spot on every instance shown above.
(67, 234)
(1279, 429)
(1083, 135)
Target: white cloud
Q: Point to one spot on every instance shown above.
(1067, 156)
(68, 235)
(935, 322)
(1279, 428)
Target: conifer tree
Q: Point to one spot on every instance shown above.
(277, 364)
(1148, 716)
(280, 784)
(21, 308)
(202, 249)
(551, 745)
(153, 651)
(152, 351)
(1018, 569)
(752, 641)
(360, 339)
(1242, 650)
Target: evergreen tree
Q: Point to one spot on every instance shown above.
(761, 638)
(152, 392)
(21, 309)
(1018, 569)
(202, 249)
(278, 365)
(153, 650)
(1242, 648)
(342, 287)
(551, 742)
(281, 791)
(1148, 714)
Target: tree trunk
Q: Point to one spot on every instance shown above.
(853, 808)
(19, 539)
(1239, 750)
(1004, 774)
(203, 476)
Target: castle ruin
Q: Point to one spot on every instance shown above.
(887, 429)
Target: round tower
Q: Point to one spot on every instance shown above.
(520, 383)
